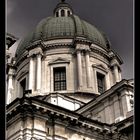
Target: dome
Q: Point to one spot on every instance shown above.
(57, 27)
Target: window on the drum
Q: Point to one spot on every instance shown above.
(59, 78)
(101, 82)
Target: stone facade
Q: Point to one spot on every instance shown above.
(81, 65)
(116, 102)
(68, 87)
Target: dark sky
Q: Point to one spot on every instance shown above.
(114, 17)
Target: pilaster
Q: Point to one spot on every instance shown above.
(30, 73)
(37, 54)
(116, 73)
(79, 64)
(38, 72)
(10, 86)
(88, 69)
(83, 48)
(107, 81)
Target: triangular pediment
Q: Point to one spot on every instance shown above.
(59, 60)
(100, 66)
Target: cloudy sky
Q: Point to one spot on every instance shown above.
(114, 17)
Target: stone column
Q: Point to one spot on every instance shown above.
(116, 73)
(59, 13)
(38, 72)
(66, 13)
(107, 81)
(10, 88)
(94, 79)
(79, 64)
(88, 69)
(31, 73)
(120, 76)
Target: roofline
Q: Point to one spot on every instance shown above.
(107, 93)
(12, 36)
(63, 94)
(123, 121)
(117, 56)
(33, 101)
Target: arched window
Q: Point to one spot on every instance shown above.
(68, 13)
(62, 13)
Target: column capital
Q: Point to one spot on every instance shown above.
(39, 54)
(87, 51)
(78, 51)
(10, 69)
(114, 62)
(82, 47)
(34, 52)
(11, 75)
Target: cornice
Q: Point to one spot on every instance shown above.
(71, 44)
(22, 58)
(102, 59)
(22, 65)
(50, 111)
(100, 52)
(33, 45)
(55, 46)
(22, 74)
(113, 55)
(82, 40)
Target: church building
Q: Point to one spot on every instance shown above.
(65, 83)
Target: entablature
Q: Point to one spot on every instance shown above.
(33, 106)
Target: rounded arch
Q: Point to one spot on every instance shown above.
(62, 12)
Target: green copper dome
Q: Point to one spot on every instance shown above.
(63, 27)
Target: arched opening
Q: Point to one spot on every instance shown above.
(23, 86)
(62, 13)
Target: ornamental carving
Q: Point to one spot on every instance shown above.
(82, 47)
(59, 60)
(35, 51)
